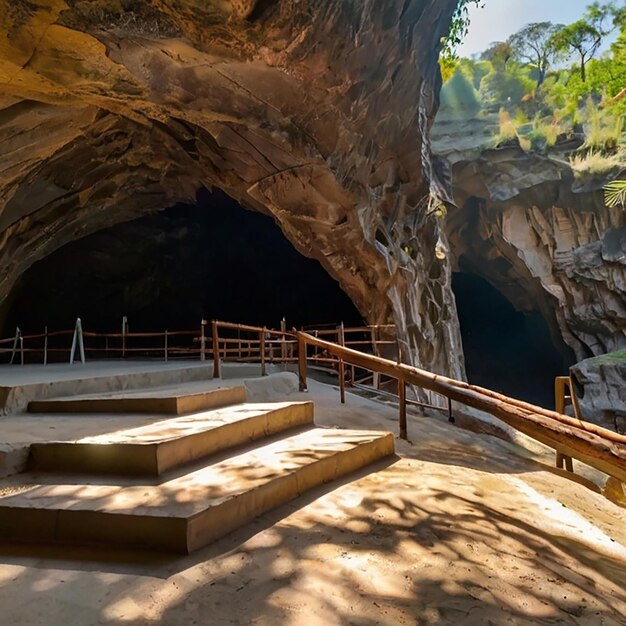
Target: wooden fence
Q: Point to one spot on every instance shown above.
(570, 437)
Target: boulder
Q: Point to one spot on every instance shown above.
(600, 385)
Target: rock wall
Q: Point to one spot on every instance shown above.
(313, 112)
(540, 235)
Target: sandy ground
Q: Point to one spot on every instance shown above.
(458, 529)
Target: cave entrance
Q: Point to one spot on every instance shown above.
(213, 260)
(505, 350)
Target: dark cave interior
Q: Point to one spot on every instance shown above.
(506, 350)
(213, 260)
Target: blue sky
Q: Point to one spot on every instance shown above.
(501, 18)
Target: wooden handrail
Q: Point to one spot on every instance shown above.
(591, 444)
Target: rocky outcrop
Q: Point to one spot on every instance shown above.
(540, 235)
(600, 385)
(314, 113)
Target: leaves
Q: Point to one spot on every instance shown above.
(615, 194)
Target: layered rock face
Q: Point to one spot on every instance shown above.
(600, 384)
(541, 236)
(313, 112)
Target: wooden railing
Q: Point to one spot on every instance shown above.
(569, 436)
(46, 346)
(258, 344)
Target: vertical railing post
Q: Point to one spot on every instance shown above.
(45, 346)
(402, 407)
(374, 338)
(302, 362)
(203, 340)
(216, 350)
(342, 367)
(165, 345)
(262, 348)
(450, 415)
(81, 343)
(283, 345)
(560, 398)
(124, 327)
(77, 342)
(16, 339)
(21, 349)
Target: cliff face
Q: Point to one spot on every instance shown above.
(541, 236)
(314, 113)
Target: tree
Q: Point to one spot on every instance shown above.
(584, 37)
(498, 53)
(535, 44)
(458, 28)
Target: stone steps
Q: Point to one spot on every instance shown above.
(186, 512)
(146, 402)
(159, 447)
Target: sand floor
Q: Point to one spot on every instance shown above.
(460, 528)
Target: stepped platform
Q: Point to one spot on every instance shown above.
(21, 384)
(186, 512)
(127, 470)
(165, 401)
(155, 448)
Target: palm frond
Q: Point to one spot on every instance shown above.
(615, 193)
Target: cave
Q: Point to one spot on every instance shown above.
(505, 350)
(169, 270)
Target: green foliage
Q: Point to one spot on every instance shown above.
(507, 88)
(615, 195)
(537, 104)
(474, 70)
(584, 37)
(534, 44)
(498, 54)
(506, 126)
(458, 28)
(603, 130)
(459, 95)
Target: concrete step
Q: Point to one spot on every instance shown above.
(190, 511)
(20, 385)
(156, 448)
(146, 401)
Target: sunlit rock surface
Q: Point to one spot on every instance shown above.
(600, 384)
(540, 235)
(315, 113)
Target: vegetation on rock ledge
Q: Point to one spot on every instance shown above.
(546, 85)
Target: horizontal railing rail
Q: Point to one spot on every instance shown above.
(593, 445)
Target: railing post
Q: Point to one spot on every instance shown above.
(302, 362)
(202, 340)
(262, 347)
(216, 350)
(18, 334)
(21, 349)
(402, 407)
(77, 341)
(560, 398)
(124, 327)
(342, 367)
(45, 346)
(166, 345)
(283, 345)
(450, 416)
(374, 337)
